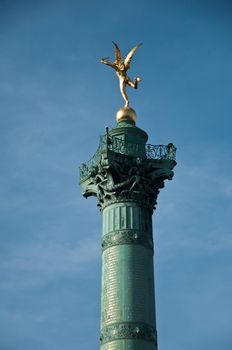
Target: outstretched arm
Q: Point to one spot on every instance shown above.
(105, 61)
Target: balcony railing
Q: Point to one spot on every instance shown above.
(156, 152)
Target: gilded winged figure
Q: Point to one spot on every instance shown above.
(121, 67)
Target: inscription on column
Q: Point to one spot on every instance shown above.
(127, 270)
(127, 245)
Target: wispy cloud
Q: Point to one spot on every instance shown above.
(36, 263)
(191, 211)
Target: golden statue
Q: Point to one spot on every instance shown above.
(121, 67)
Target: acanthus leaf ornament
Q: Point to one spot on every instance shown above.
(116, 176)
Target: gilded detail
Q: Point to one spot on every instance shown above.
(128, 330)
(121, 67)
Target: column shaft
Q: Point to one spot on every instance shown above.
(127, 302)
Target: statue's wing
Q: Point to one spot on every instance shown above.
(130, 55)
(118, 55)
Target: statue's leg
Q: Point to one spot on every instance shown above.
(122, 84)
(134, 84)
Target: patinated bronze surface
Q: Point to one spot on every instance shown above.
(126, 175)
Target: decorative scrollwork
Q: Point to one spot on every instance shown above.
(86, 169)
(127, 237)
(128, 330)
(121, 171)
(117, 145)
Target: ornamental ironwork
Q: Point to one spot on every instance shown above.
(120, 146)
(88, 167)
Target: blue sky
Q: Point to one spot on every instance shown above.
(56, 99)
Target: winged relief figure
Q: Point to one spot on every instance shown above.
(121, 67)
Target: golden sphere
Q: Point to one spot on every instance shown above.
(126, 113)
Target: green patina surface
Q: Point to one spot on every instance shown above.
(126, 175)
